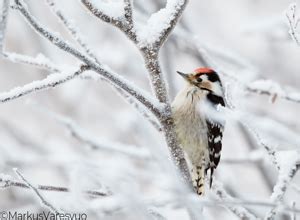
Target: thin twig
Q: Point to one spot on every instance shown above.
(12, 183)
(239, 211)
(124, 23)
(99, 144)
(286, 175)
(293, 21)
(72, 29)
(36, 191)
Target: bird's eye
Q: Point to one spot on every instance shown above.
(199, 79)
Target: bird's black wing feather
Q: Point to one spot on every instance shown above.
(215, 135)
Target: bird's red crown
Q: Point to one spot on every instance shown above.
(203, 70)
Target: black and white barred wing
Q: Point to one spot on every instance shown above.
(215, 126)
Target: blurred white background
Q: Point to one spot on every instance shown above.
(247, 39)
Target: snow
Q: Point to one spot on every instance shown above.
(157, 23)
(101, 143)
(267, 85)
(4, 180)
(286, 161)
(40, 60)
(112, 8)
(115, 130)
(49, 82)
(294, 96)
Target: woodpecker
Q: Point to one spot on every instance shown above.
(200, 134)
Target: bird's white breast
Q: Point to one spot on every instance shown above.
(190, 124)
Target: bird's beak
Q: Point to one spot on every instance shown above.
(184, 75)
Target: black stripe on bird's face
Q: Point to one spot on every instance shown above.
(213, 77)
(215, 99)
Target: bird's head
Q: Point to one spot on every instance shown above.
(205, 79)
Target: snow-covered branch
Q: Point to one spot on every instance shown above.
(238, 210)
(141, 109)
(150, 51)
(273, 89)
(3, 21)
(128, 13)
(287, 164)
(77, 36)
(51, 81)
(100, 69)
(293, 22)
(71, 27)
(97, 143)
(161, 24)
(40, 61)
(236, 206)
(118, 14)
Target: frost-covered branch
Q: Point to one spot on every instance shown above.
(77, 36)
(293, 21)
(36, 191)
(128, 13)
(270, 149)
(158, 85)
(273, 89)
(51, 81)
(100, 69)
(223, 197)
(117, 14)
(40, 61)
(71, 27)
(3, 22)
(150, 50)
(141, 109)
(7, 182)
(242, 160)
(287, 164)
(156, 215)
(161, 24)
(97, 143)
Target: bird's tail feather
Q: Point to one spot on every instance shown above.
(198, 179)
